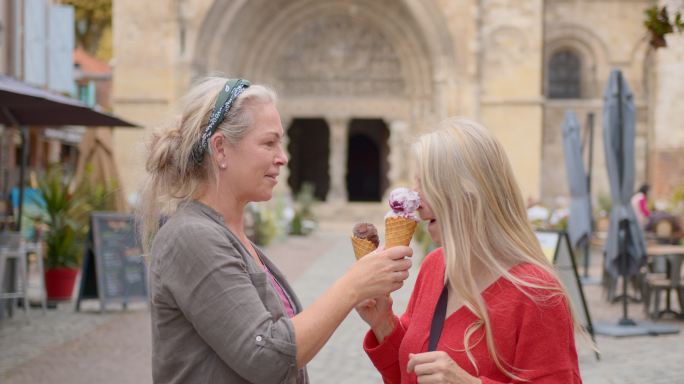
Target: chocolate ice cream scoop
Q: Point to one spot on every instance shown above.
(366, 231)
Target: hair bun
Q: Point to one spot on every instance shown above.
(163, 150)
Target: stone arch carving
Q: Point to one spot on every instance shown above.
(420, 43)
(337, 55)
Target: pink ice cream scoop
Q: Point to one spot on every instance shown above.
(404, 203)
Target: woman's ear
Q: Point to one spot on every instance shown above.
(218, 148)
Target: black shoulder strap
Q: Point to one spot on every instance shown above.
(438, 319)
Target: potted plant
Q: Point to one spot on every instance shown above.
(303, 222)
(98, 194)
(603, 214)
(65, 212)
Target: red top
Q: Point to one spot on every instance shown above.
(536, 338)
(643, 206)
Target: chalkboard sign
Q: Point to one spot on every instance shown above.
(113, 266)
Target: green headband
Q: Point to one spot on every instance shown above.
(230, 91)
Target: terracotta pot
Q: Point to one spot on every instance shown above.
(59, 283)
(602, 224)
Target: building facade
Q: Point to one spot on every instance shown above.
(358, 80)
(36, 47)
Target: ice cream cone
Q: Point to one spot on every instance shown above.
(399, 231)
(362, 247)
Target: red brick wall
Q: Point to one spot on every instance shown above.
(667, 172)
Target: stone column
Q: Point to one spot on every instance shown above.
(399, 155)
(337, 161)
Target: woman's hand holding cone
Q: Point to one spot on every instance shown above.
(380, 272)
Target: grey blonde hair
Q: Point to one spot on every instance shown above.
(173, 176)
(466, 178)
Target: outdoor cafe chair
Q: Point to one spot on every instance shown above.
(12, 247)
(663, 228)
(665, 279)
(664, 231)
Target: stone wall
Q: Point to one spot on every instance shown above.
(510, 99)
(554, 178)
(143, 79)
(605, 35)
(668, 105)
(392, 60)
(485, 60)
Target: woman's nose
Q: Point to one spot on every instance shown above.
(281, 158)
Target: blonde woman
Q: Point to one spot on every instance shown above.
(506, 317)
(221, 310)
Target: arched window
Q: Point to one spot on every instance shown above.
(565, 76)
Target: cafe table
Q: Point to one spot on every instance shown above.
(674, 255)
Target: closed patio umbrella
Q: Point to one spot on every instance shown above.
(579, 223)
(22, 105)
(625, 248)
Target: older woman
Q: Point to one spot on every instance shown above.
(487, 306)
(221, 310)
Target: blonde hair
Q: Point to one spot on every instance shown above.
(466, 178)
(172, 175)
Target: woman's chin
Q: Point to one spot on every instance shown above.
(436, 240)
(265, 196)
(262, 198)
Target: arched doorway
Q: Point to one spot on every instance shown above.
(337, 58)
(309, 149)
(367, 163)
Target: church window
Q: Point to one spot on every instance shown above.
(564, 75)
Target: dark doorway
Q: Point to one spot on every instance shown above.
(309, 149)
(367, 160)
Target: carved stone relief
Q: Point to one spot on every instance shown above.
(505, 47)
(338, 55)
(518, 9)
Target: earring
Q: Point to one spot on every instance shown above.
(223, 166)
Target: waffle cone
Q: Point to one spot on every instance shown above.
(399, 231)
(362, 247)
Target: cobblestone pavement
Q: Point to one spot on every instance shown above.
(68, 347)
(628, 360)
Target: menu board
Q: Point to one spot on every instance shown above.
(114, 267)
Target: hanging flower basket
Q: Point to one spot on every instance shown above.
(659, 24)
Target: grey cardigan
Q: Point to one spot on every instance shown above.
(215, 316)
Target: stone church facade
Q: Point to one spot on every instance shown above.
(358, 80)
